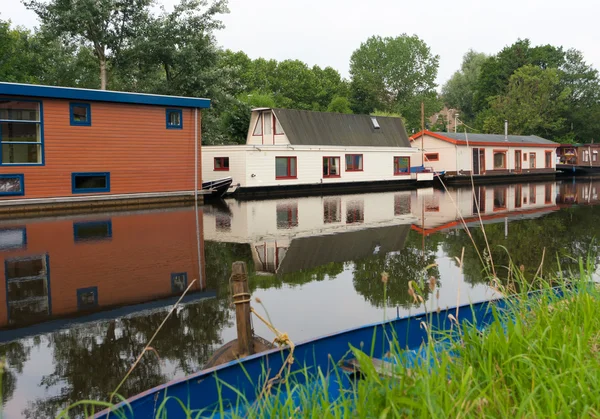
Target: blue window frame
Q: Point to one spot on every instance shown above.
(179, 282)
(90, 182)
(21, 132)
(13, 238)
(87, 298)
(12, 185)
(92, 231)
(174, 119)
(80, 114)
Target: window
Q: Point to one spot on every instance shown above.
(401, 165)
(355, 212)
(518, 196)
(12, 185)
(13, 238)
(375, 122)
(258, 127)
(548, 193)
(21, 132)
(499, 199)
(222, 163)
(354, 162)
(179, 282)
(594, 156)
(81, 114)
(532, 194)
(431, 203)
(174, 119)
(432, 157)
(331, 167)
(268, 123)
(90, 182)
(285, 167)
(87, 298)
(332, 210)
(401, 204)
(532, 160)
(278, 128)
(287, 215)
(27, 289)
(586, 156)
(548, 158)
(92, 231)
(499, 159)
(524, 156)
(223, 222)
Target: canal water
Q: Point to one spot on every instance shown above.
(83, 294)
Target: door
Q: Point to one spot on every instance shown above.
(478, 161)
(518, 164)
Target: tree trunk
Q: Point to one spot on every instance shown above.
(102, 73)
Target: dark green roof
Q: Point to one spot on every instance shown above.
(336, 129)
(497, 138)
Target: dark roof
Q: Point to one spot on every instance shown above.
(496, 138)
(311, 252)
(337, 129)
(70, 93)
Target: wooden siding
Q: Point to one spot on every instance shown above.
(132, 266)
(131, 142)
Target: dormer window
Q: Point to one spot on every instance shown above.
(375, 122)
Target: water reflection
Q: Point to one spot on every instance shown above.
(84, 294)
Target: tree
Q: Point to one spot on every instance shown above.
(391, 74)
(339, 104)
(107, 26)
(459, 91)
(533, 104)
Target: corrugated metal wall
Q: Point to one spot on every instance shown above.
(131, 142)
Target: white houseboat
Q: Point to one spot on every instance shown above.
(289, 151)
(486, 156)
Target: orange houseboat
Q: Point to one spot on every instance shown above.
(67, 146)
(62, 270)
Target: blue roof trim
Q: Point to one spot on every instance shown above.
(70, 93)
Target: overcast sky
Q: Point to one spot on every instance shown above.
(326, 32)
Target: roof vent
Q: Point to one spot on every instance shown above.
(375, 123)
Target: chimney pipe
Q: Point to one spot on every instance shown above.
(506, 130)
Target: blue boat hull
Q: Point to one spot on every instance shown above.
(203, 390)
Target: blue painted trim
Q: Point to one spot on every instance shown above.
(41, 143)
(23, 245)
(70, 93)
(78, 226)
(85, 123)
(173, 276)
(82, 291)
(21, 178)
(90, 190)
(174, 126)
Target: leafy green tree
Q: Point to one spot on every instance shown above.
(459, 91)
(533, 104)
(393, 74)
(339, 104)
(106, 26)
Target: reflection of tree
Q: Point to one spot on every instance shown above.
(566, 235)
(402, 267)
(219, 257)
(14, 354)
(90, 361)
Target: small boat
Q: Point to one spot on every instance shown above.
(216, 188)
(215, 392)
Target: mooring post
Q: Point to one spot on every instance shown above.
(241, 299)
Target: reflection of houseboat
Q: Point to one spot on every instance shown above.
(302, 152)
(65, 267)
(578, 159)
(68, 147)
(486, 156)
(579, 193)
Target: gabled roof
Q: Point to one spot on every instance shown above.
(488, 139)
(71, 93)
(336, 129)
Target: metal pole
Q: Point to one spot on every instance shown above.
(196, 154)
(423, 134)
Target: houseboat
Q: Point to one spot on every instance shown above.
(302, 152)
(488, 157)
(78, 147)
(578, 159)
